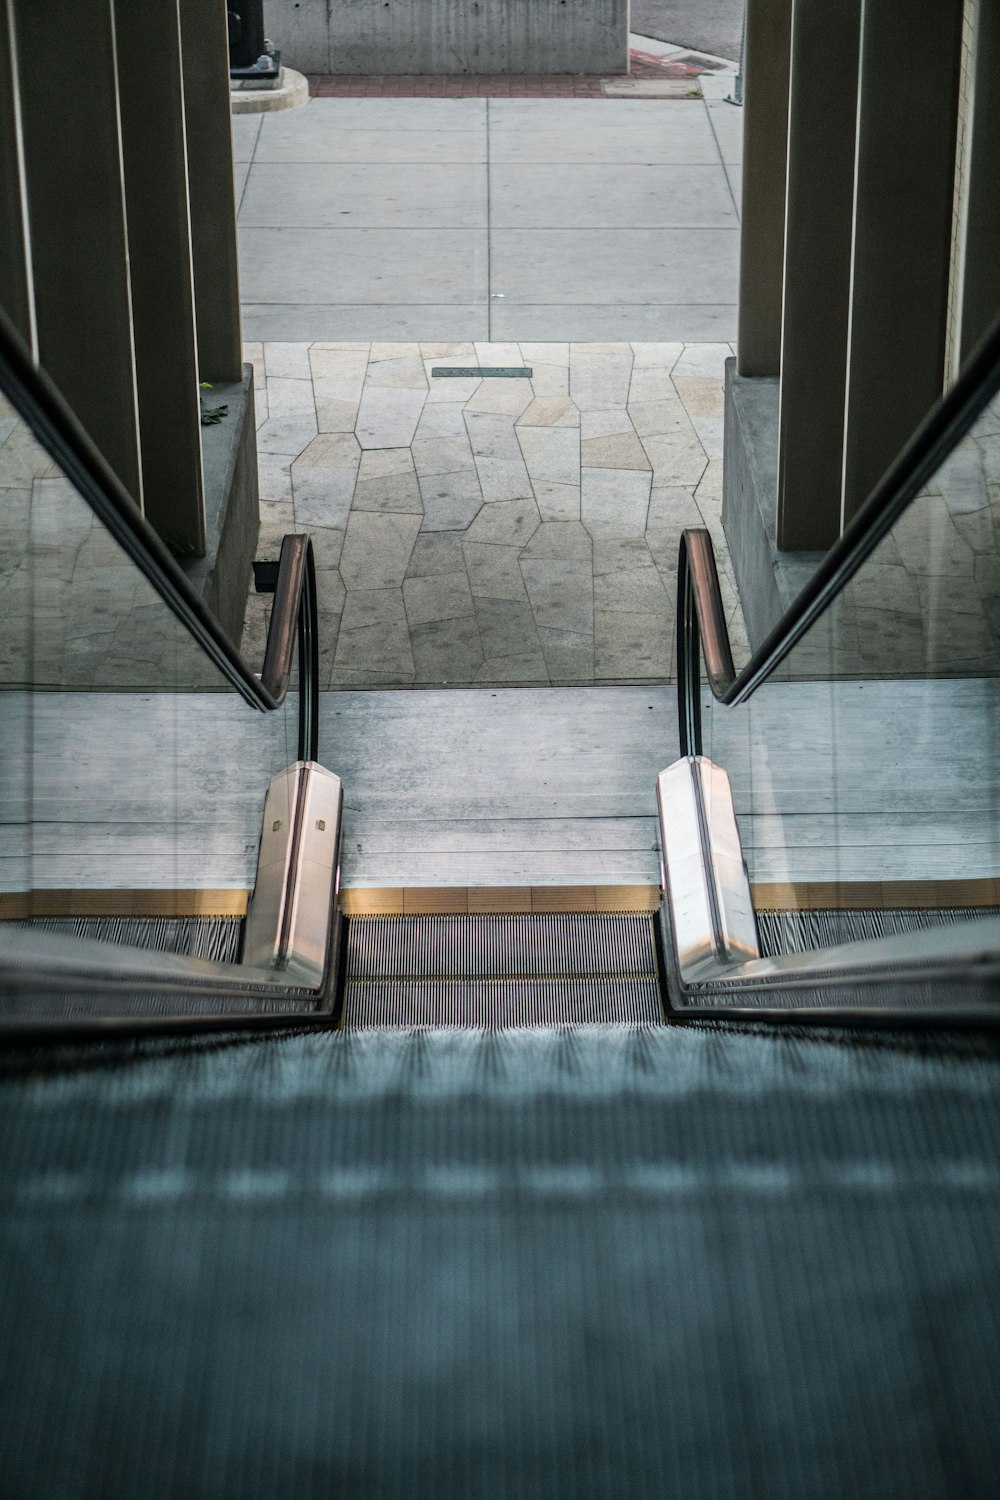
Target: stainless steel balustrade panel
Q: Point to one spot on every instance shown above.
(705, 879)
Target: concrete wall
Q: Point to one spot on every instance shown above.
(232, 506)
(450, 36)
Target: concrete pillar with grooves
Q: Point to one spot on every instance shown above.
(212, 194)
(76, 212)
(903, 199)
(765, 143)
(816, 299)
(981, 276)
(151, 94)
(15, 270)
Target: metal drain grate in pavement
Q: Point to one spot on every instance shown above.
(486, 372)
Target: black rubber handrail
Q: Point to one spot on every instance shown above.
(294, 622)
(294, 617)
(701, 620)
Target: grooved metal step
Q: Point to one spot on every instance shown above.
(803, 931)
(218, 938)
(498, 971)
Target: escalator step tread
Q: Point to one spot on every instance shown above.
(217, 938)
(495, 946)
(802, 931)
(493, 1004)
(799, 932)
(502, 970)
(654, 1262)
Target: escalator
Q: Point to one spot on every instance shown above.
(697, 1200)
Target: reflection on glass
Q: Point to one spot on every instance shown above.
(133, 774)
(872, 782)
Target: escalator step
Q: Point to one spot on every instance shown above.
(218, 938)
(498, 1004)
(804, 931)
(497, 971)
(500, 946)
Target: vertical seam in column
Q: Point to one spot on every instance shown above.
(9, 23)
(489, 234)
(850, 289)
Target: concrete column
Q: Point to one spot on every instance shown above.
(765, 145)
(210, 174)
(981, 276)
(76, 211)
(821, 119)
(15, 272)
(151, 95)
(903, 197)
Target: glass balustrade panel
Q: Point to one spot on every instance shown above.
(134, 775)
(866, 771)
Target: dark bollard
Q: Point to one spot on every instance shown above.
(251, 55)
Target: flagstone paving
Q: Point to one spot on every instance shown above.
(491, 530)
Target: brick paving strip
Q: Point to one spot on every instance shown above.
(503, 86)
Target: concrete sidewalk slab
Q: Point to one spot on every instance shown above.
(726, 121)
(395, 195)
(370, 130)
(358, 320)
(561, 131)
(614, 267)
(587, 197)
(544, 219)
(583, 321)
(379, 266)
(246, 129)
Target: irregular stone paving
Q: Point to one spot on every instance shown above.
(74, 610)
(927, 601)
(487, 531)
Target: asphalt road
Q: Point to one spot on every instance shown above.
(706, 25)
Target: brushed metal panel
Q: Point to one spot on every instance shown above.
(705, 878)
(288, 925)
